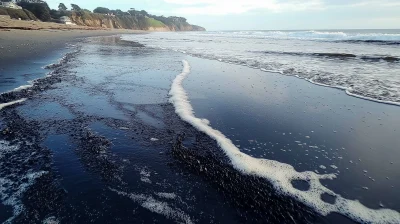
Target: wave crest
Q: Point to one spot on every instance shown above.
(351, 37)
(372, 58)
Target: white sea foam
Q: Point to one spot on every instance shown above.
(11, 191)
(145, 176)
(280, 175)
(3, 105)
(19, 88)
(51, 220)
(146, 180)
(371, 99)
(23, 87)
(348, 92)
(166, 195)
(156, 206)
(6, 148)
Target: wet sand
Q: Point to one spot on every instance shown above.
(19, 45)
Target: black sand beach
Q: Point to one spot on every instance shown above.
(97, 140)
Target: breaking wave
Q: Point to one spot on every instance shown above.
(379, 42)
(351, 37)
(280, 175)
(371, 58)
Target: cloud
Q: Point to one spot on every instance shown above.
(367, 3)
(223, 7)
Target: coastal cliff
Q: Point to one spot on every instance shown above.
(100, 17)
(133, 22)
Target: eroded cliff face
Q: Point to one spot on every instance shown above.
(159, 29)
(113, 22)
(91, 22)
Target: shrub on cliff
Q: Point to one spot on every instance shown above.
(3, 11)
(30, 14)
(101, 10)
(151, 22)
(56, 14)
(75, 7)
(62, 7)
(18, 13)
(127, 22)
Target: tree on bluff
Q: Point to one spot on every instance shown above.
(143, 12)
(119, 12)
(42, 12)
(40, 9)
(101, 10)
(75, 7)
(62, 7)
(28, 1)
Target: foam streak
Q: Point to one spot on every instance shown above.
(159, 207)
(280, 175)
(3, 105)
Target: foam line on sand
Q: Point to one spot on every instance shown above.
(3, 105)
(280, 175)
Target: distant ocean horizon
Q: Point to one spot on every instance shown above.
(352, 29)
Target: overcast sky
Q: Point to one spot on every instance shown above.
(265, 14)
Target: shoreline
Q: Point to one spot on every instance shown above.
(19, 45)
(346, 90)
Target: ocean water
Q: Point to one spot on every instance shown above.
(365, 63)
(118, 132)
